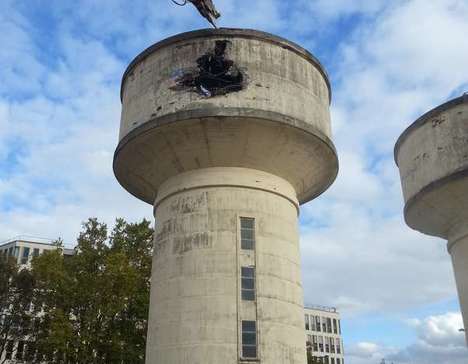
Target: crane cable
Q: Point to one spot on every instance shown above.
(180, 4)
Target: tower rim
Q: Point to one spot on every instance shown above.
(228, 32)
(272, 117)
(424, 118)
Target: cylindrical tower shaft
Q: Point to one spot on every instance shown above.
(458, 249)
(227, 252)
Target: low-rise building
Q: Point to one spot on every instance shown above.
(323, 334)
(23, 249)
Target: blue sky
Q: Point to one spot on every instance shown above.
(389, 61)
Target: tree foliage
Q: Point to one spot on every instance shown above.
(95, 303)
(16, 312)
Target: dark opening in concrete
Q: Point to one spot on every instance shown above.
(215, 74)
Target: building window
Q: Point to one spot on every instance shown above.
(320, 343)
(20, 350)
(332, 360)
(332, 345)
(314, 343)
(324, 324)
(329, 325)
(317, 323)
(35, 252)
(339, 327)
(338, 348)
(335, 330)
(249, 339)
(25, 256)
(327, 344)
(338, 361)
(9, 349)
(248, 283)
(247, 233)
(30, 351)
(306, 317)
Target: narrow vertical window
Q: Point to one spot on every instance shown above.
(317, 323)
(327, 344)
(324, 324)
(9, 349)
(338, 348)
(329, 325)
(320, 342)
(248, 283)
(30, 350)
(339, 327)
(335, 330)
(19, 350)
(314, 343)
(249, 339)
(307, 327)
(247, 225)
(25, 257)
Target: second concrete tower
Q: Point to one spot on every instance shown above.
(226, 132)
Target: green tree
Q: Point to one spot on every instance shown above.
(96, 302)
(16, 311)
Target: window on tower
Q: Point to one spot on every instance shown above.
(249, 339)
(248, 283)
(247, 231)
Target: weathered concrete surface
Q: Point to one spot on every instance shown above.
(432, 155)
(204, 162)
(279, 123)
(195, 302)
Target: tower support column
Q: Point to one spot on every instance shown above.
(226, 282)
(458, 249)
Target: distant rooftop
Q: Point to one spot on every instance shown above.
(321, 308)
(28, 238)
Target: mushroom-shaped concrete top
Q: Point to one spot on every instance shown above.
(432, 155)
(225, 98)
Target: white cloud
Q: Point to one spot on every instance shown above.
(357, 252)
(438, 340)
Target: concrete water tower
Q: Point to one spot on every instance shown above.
(432, 155)
(225, 132)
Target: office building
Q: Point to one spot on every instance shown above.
(323, 334)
